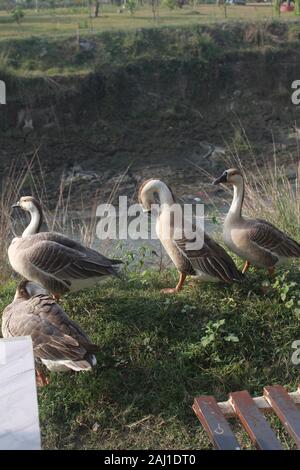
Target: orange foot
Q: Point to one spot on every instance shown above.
(271, 271)
(41, 378)
(169, 290)
(56, 297)
(246, 267)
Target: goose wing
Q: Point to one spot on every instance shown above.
(64, 262)
(93, 255)
(54, 335)
(269, 237)
(211, 258)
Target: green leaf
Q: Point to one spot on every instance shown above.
(232, 338)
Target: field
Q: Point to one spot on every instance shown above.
(68, 22)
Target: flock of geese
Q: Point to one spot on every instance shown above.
(52, 264)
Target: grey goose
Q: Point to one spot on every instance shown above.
(257, 241)
(55, 261)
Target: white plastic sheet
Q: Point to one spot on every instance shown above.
(19, 419)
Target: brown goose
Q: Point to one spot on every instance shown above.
(209, 263)
(58, 342)
(255, 240)
(53, 260)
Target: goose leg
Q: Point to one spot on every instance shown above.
(56, 297)
(41, 378)
(271, 271)
(246, 267)
(182, 278)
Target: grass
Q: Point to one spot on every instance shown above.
(158, 352)
(61, 22)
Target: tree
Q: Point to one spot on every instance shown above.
(131, 6)
(18, 15)
(155, 8)
(171, 4)
(277, 4)
(97, 7)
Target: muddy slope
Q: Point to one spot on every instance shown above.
(156, 117)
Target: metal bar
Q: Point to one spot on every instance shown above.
(285, 409)
(212, 419)
(254, 422)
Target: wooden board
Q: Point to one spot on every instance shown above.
(211, 417)
(285, 409)
(254, 422)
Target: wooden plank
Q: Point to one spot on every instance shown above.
(254, 422)
(285, 409)
(212, 419)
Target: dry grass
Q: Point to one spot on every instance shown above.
(11, 186)
(29, 178)
(271, 191)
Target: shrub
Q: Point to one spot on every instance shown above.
(17, 15)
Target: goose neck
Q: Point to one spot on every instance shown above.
(235, 211)
(35, 222)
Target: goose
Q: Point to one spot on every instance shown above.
(54, 261)
(58, 342)
(210, 262)
(256, 241)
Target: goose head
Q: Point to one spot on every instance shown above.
(27, 289)
(234, 178)
(28, 203)
(31, 205)
(150, 190)
(231, 177)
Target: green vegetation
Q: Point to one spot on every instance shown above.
(277, 4)
(158, 352)
(197, 44)
(17, 15)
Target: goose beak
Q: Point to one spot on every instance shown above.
(221, 179)
(16, 205)
(146, 211)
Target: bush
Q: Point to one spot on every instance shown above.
(18, 14)
(131, 6)
(171, 4)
